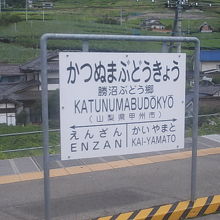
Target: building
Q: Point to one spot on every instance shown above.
(7, 112)
(47, 5)
(209, 98)
(209, 92)
(20, 87)
(31, 70)
(10, 76)
(205, 28)
(153, 24)
(210, 60)
(30, 4)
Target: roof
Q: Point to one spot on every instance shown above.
(205, 24)
(152, 22)
(156, 23)
(204, 91)
(209, 55)
(26, 96)
(209, 90)
(9, 100)
(35, 64)
(15, 91)
(9, 70)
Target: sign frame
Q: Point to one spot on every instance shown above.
(85, 38)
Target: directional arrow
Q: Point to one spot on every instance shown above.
(125, 123)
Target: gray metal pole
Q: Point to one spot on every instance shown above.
(87, 37)
(179, 25)
(195, 122)
(121, 16)
(44, 87)
(85, 46)
(43, 15)
(119, 37)
(164, 47)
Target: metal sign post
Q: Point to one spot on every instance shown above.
(85, 39)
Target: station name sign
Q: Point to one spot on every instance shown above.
(121, 103)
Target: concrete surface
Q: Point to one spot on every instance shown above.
(108, 192)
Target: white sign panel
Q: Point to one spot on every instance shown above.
(121, 103)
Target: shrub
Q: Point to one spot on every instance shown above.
(216, 79)
(54, 105)
(107, 20)
(9, 18)
(21, 118)
(16, 3)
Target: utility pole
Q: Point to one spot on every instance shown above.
(177, 24)
(26, 18)
(121, 14)
(0, 6)
(43, 14)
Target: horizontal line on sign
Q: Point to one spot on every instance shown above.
(127, 123)
(107, 166)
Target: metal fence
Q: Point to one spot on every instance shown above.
(31, 148)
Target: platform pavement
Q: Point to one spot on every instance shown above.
(35, 163)
(107, 192)
(210, 217)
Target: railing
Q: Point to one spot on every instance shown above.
(58, 130)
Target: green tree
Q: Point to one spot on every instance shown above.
(36, 112)
(17, 3)
(54, 109)
(53, 104)
(21, 118)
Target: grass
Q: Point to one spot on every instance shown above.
(209, 125)
(83, 17)
(25, 37)
(12, 53)
(24, 141)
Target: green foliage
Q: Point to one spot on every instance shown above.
(8, 18)
(54, 109)
(216, 79)
(210, 125)
(35, 112)
(107, 20)
(25, 141)
(53, 104)
(208, 109)
(16, 3)
(94, 17)
(83, 20)
(21, 118)
(12, 53)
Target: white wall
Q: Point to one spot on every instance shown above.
(9, 105)
(209, 65)
(8, 119)
(51, 86)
